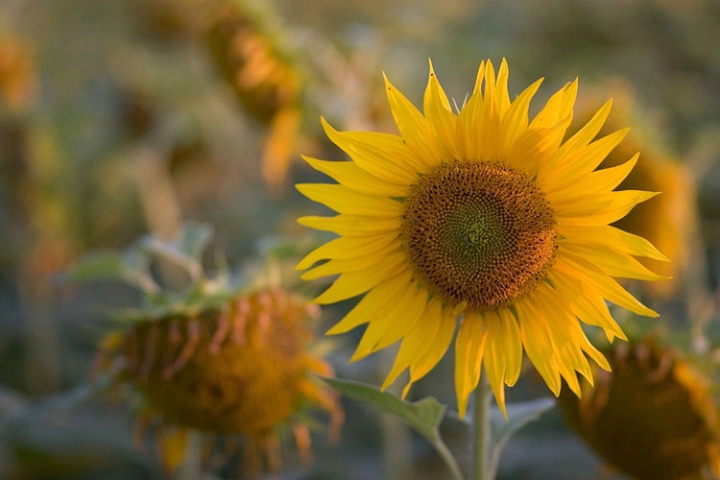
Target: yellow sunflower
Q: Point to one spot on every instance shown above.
(485, 219)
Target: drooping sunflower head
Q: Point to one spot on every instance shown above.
(242, 369)
(485, 218)
(654, 417)
(252, 58)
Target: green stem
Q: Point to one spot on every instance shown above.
(449, 459)
(481, 430)
(191, 468)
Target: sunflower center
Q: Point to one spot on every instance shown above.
(478, 234)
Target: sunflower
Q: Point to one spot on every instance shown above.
(253, 59)
(654, 417)
(242, 370)
(482, 219)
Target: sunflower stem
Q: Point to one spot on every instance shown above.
(481, 430)
(191, 468)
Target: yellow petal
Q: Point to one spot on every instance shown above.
(351, 225)
(494, 356)
(602, 284)
(512, 346)
(349, 247)
(351, 284)
(469, 348)
(396, 321)
(371, 304)
(380, 154)
(533, 148)
(585, 135)
(581, 161)
(436, 349)
(594, 184)
(502, 97)
(621, 203)
(558, 109)
(439, 114)
(612, 263)
(515, 120)
(355, 178)
(537, 340)
(592, 310)
(415, 342)
(333, 267)
(343, 200)
(415, 130)
(612, 237)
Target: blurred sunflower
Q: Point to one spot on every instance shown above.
(243, 368)
(18, 75)
(251, 57)
(653, 417)
(486, 217)
(210, 357)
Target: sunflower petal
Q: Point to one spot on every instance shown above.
(469, 353)
(440, 115)
(343, 200)
(380, 154)
(351, 225)
(351, 284)
(371, 304)
(415, 130)
(355, 178)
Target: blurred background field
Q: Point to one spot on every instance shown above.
(123, 117)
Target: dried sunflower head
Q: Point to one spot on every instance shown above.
(243, 368)
(652, 417)
(236, 364)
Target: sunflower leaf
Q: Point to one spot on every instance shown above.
(424, 415)
(99, 265)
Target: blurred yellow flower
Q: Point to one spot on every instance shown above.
(653, 417)
(18, 76)
(265, 80)
(242, 369)
(485, 217)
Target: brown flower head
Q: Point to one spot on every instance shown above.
(653, 417)
(240, 369)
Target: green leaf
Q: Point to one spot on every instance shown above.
(519, 415)
(97, 266)
(424, 415)
(194, 239)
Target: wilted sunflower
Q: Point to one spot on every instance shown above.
(485, 217)
(654, 417)
(240, 369)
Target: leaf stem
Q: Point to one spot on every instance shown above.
(481, 430)
(449, 459)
